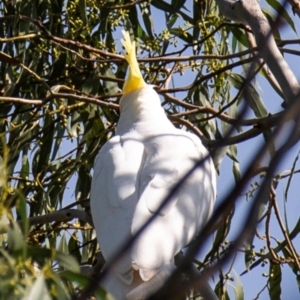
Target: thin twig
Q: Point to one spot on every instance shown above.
(277, 213)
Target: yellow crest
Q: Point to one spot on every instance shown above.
(135, 79)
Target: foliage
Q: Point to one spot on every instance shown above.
(62, 72)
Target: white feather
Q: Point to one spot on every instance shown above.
(134, 173)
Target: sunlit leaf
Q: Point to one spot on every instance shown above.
(232, 153)
(236, 171)
(39, 290)
(63, 247)
(238, 288)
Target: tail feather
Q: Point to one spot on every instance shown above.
(138, 289)
(147, 288)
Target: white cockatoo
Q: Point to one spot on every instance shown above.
(133, 174)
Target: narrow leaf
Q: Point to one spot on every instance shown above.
(147, 18)
(290, 177)
(275, 282)
(279, 8)
(238, 288)
(38, 291)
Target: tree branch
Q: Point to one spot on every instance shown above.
(249, 12)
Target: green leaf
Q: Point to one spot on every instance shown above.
(239, 36)
(23, 212)
(200, 96)
(83, 184)
(38, 291)
(80, 279)
(274, 286)
(221, 292)
(248, 257)
(58, 65)
(75, 124)
(272, 19)
(164, 6)
(74, 247)
(82, 10)
(263, 206)
(67, 261)
(110, 87)
(234, 113)
(223, 230)
(236, 171)
(182, 34)
(24, 173)
(109, 41)
(219, 156)
(178, 4)
(103, 27)
(46, 144)
(59, 130)
(84, 281)
(42, 255)
(171, 20)
(279, 8)
(298, 281)
(8, 267)
(147, 18)
(288, 256)
(238, 288)
(63, 247)
(254, 100)
(255, 103)
(291, 176)
(15, 238)
(91, 84)
(232, 153)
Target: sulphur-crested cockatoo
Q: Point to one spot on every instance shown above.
(133, 174)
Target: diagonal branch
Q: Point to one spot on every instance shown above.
(250, 13)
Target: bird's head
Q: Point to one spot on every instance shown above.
(135, 79)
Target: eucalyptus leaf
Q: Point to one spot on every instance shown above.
(278, 7)
(147, 18)
(38, 291)
(275, 281)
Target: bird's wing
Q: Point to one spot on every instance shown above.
(159, 173)
(113, 197)
(158, 188)
(168, 158)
